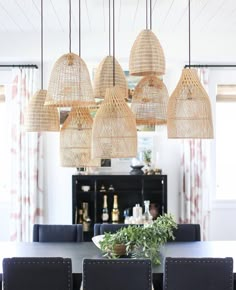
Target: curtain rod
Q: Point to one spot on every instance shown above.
(209, 65)
(19, 65)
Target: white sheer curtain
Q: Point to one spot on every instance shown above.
(195, 178)
(26, 154)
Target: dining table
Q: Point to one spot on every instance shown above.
(78, 251)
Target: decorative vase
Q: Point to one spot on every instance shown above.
(120, 249)
(154, 210)
(136, 170)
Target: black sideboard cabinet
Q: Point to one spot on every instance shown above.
(131, 189)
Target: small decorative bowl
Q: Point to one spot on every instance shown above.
(136, 170)
(85, 188)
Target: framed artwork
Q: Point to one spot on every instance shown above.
(146, 147)
(105, 162)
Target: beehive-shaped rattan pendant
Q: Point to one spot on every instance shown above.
(38, 117)
(69, 83)
(149, 101)
(146, 56)
(76, 139)
(114, 133)
(189, 109)
(103, 78)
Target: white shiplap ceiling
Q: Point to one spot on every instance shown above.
(213, 28)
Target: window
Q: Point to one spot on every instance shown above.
(226, 142)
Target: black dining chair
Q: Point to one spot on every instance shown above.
(111, 228)
(101, 229)
(198, 273)
(57, 233)
(37, 273)
(96, 229)
(117, 274)
(187, 233)
(184, 232)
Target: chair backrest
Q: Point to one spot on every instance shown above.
(198, 273)
(187, 233)
(117, 274)
(37, 274)
(184, 232)
(57, 233)
(100, 229)
(111, 228)
(96, 229)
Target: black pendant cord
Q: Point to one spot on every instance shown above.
(79, 28)
(69, 26)
(114, 69)
(150, 14)
(109, 22)
(41, 44)
(189, 35)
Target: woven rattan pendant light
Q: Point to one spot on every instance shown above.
(76, 134)
(103, 78)
(147, 56)
(70, 83)
(76, 139)
(37, 116)
(189, 108)
(114, 133)
(149, 101)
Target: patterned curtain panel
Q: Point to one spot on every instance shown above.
(26, 184)
(195, 178)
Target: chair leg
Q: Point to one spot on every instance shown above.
(158, 284)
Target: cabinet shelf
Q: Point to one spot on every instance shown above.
(131, 189)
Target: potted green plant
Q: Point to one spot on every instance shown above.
(139, 241)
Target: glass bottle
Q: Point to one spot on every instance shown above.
(115, 211)
(105, 214)
(137, 214)
(86, 218)
(76, 215)
(110, 195)
(147, 217)
(80, 221)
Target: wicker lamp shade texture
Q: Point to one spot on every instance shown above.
(76, 139)
(189, 109)
(103, 78)
(114, 133)
(69, 83)
(146, 56)
(149, 101)
(38, 117)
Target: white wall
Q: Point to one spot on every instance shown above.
(223, 212)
